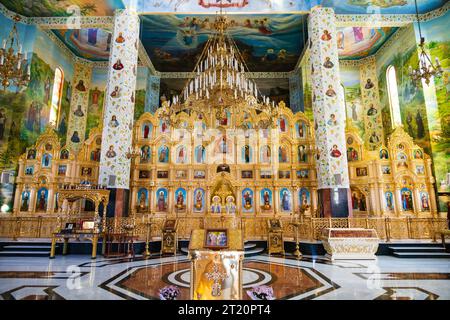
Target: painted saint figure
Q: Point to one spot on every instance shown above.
(111, 153)
(161, 201)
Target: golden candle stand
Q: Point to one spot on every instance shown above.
(295, 223)
(149, 224)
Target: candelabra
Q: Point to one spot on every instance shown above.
(14, 67)
(425, 69)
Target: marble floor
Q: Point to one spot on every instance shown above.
(80, 278)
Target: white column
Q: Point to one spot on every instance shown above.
(117, 141)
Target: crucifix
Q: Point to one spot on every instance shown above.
(217, 276)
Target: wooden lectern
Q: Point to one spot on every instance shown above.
(275, 242)
(169, 241)
(216, 264)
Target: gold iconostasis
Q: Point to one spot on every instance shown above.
(228, 166)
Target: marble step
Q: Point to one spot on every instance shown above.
(422, 255)
(27, 248)
(24, 253)
(418, 249)
(248, 246)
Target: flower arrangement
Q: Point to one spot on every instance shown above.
(169, 293)
(261, 293)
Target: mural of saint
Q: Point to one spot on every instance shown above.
(352, 154)
(372, 110)
(326, 36)
(47, 87)
(113, 123)
(46, 160)
(418, 154)
(384, 154)
(80, 86)
(164, 126)
(266, 199)
(332, 121)
(335, 153)
(163, 154)
(304, 197)
(142, 198)
(328, 64)
(25, 201)
(301, 129)
(282, 124)
(374, 138)
(180, 199)
(95, 96)
(34, 116)
(407, 200)
(120, 38)
(41, 204)
(216, 207)
(78, 112)
(419, 124)
(330, 91)
(115, 92)
(111, 153)
(354, 113)
(118, 65)
(369, 84)
(2, 123)
(161, 202)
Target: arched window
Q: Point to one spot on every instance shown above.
(56, 96)
(391, 79)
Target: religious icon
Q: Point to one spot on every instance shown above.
(41, 204)
(302, 153)
(300, 129)
(230, 206)
(369, 84)
(118, 65)
(180, 199)
(111, 153)
(216, 206)
(328, 64)
(75, 137)
(25, 201)
(282, 154)
(418, 154)
(46, 160)
(285, 200)
(164, 126)
(424, 201)
(335, 153)
(163, 156)
(332, 121)
(402, 158)
(330, 92)
(352, 154)
(266, 196)
(282, 124)
(420, 170)
(372, 110)
(145, 154)
(120, 38)
(80, 86)
(247, 199)
(247, 154)
(198, 206)
(142, 202)
(161, 202)
(389, 201)
(407, 201)
(181, 156)
(31, 155)
(113, 123)
(64, 155)
(115, 92)
(374, 138)
(146, 130)
(78, 112)
(304, 197)
(95, 155)
(200, 154)
(326, 36)
(265, 154)
(386, 169)
(384, 154)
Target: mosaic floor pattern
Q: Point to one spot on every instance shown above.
(78, 278)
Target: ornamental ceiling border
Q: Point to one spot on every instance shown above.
(252, 75)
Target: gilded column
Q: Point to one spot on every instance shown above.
(119, 102)
(79, 105)
(329, 114)
(373, 122)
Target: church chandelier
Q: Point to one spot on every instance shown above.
(220, 83)
(13, 65)
(425, 69)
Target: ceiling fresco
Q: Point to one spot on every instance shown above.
(61, 8)
(271, 43)
(358, 42)
(92, 44)
(268, 6)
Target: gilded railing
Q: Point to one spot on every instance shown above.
(254, 228)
